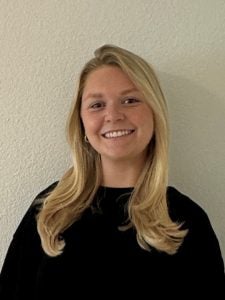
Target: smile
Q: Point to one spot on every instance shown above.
(117, 133)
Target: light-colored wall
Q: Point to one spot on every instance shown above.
(43, 45)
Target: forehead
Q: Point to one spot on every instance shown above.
(106, 77)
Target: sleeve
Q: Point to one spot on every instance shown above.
(200, 255)
(216, 263)
(212, 250)
(208, 264)
(20, 264)
(23, 259)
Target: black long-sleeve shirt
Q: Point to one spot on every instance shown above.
(98, 257)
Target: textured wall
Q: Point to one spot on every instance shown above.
(43, 46)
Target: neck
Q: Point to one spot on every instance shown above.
(121, 174)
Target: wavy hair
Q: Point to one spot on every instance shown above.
(148, 211)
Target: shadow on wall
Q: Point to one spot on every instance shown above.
(197, 127)
(197, 160)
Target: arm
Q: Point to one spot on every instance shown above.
(20, 267)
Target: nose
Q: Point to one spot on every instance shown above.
(113, 114)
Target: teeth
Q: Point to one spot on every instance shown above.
(114, 134)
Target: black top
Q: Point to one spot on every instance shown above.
(100, 260)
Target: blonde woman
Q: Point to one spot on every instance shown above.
(113, 212)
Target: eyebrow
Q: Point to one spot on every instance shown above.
(100, 95)
(93, 95)
(127, 91)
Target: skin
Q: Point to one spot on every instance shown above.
(118, 124)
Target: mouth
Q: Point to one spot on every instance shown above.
(117, 133)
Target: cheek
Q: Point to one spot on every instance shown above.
(90, 124)
(85, 121)
(146, 122)
(149, 123)
(144, 119)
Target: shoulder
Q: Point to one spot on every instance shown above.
(193, 217)
(43, 194)
(28, 222)
(201, 242)
(38, 201)
(183, 209)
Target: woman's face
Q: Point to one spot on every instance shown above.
(117, 121)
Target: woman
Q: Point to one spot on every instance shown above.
(113, 212)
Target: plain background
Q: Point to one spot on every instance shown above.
(44, 44)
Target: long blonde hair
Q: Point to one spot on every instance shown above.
(148, 211)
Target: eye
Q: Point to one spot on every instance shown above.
(130, 101)
(96, 105)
